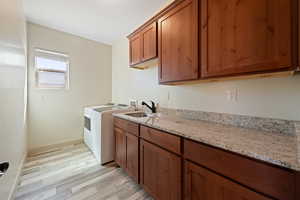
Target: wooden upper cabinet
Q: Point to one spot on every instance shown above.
(143, 45)
(241, 36)
(135, 49)
(178, 43)
(202, 184)
(149, 42)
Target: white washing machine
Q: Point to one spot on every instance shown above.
(98, 130)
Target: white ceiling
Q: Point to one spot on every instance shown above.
(101, 20)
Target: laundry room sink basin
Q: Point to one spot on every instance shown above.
(137, 114)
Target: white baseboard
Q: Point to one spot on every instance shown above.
(34, 151)
(17, 179)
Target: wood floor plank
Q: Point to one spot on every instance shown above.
(84, 194)
(61, 196)
(92, 181)
(79, 176)
(57, 173)
(48, 169)
(72, 173)
(56, 157)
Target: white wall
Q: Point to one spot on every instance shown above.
(12, 92)
(56, 116)
(269, 97)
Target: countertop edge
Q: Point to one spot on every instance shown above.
(248, 154)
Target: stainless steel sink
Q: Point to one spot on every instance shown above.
(138, 114)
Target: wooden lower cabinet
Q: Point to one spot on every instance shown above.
(120, 155)
(127, 152)
(298, 185)
(132, 156)
(202, 184)
(172, 168)
(160, 172)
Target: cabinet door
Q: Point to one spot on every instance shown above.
(132, 155)
(160, 172)
(149, 42)
(298, 64)
(298, 185)
(178, 43)
(240, 36)
(120, 155)
(135, 49)
(201, 184)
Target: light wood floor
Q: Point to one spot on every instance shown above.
(72, 173)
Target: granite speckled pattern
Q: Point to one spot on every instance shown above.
(275, 148)
(258, 123)
(297, 127)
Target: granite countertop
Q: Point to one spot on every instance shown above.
(276, 148)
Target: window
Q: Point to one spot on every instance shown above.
(51, 69)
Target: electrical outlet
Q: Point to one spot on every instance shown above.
(236, 94)
(232, 95)
(229, 95)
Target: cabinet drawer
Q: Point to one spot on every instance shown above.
(276, 182)
(201, 183)
(163, 139)
(128, 126)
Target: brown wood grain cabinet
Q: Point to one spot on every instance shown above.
(127, 148)
(165, 140)
(298, 36)
(245, 36)
(202, 40)
(170, 167)
(149, 42)
(120, 155)
(143, 45)
(160, 172)
(135, 49)
(298, 185)
(202, 184)
(130, 127)
(178, 43)
(132, 156)
(261, 177)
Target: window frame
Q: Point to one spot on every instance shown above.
(37, 70)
